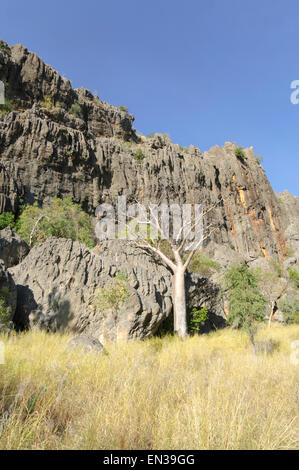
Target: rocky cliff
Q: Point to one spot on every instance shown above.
(60, 141)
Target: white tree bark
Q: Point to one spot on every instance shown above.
(179, 303)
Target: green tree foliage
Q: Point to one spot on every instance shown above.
(76, 110)
(247, 304)
(124, 108)
(4, 48)
(202, 265)
(139, 156)
(290, 309)
(48, 102)
(7, 219)
(7, 107)
(112, 295)
(294, 276)
(122, 276)
(198, 318)
(5, 311)
(239, 152)
(61, 219)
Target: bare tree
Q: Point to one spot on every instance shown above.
(178, 258)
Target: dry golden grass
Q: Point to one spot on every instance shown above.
(209, 392)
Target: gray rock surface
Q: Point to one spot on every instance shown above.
(289, 262)
(7, 283)
(89, 156)
(86, 343)
(58, 285)
(65, 142)
(13, 248)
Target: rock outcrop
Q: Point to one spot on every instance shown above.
(13, 248)
(57, 141)
(58, 284)
(64, 142)
(290, 208)
(8, 287)
(86, 343)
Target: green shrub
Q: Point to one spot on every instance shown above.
(276, 266)
(48, 102)
(122, 276)
(202, 265)
(165, 247)
(96, 100)
(76, 110)
(139, 156)
(239, 153)
(247, 304)
(5, 311)
(7, 219)
(294, 276)
(4, 48)
(290, 309)
(198, 317)
(124, 108)
(61, 219)
(7, 107)
(112, 296)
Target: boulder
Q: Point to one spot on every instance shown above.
(13, 248)
(58, 289)
(86, 343)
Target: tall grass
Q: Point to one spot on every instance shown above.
(208, 392)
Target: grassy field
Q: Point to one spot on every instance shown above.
(209, 392)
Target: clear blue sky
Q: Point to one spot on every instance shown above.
(203, 71)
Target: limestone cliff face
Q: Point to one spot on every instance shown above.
(49, 147)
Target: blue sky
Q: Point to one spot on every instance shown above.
(205, 71)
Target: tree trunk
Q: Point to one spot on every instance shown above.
(252, 343)
(273, 310)
(179, 303)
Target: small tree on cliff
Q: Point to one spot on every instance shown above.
(174, 243)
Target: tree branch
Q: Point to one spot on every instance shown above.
(35, 226)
